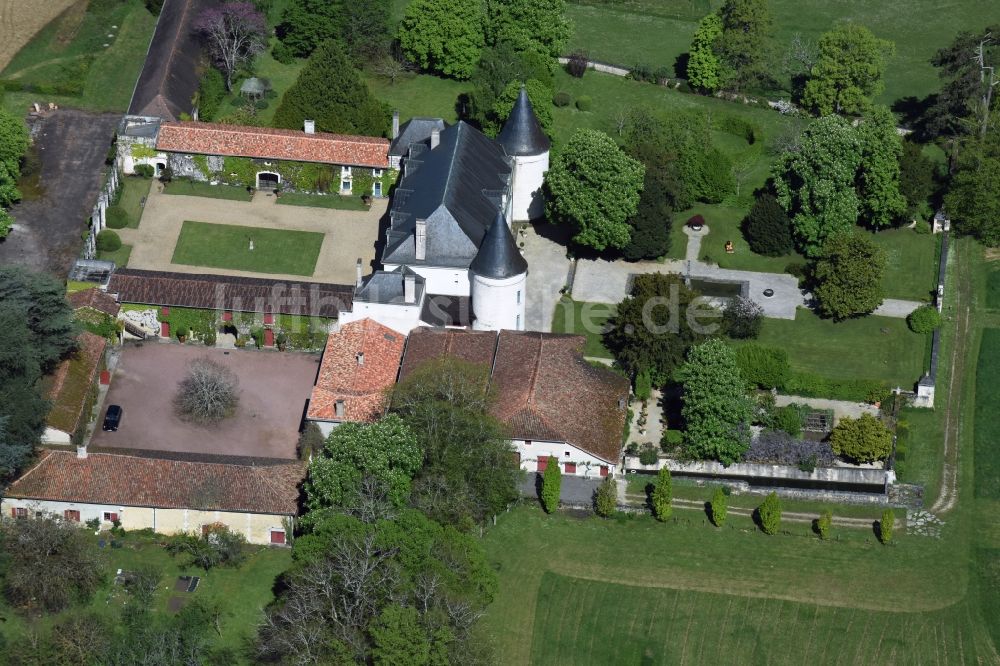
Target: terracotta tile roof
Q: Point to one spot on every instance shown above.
(277, 144)
(360, 383)
(107, 478)
(71, 382)
(94, 299)
(241, 294)
(426, 344)
(545, 390)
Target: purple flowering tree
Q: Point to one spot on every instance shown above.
(234, 34)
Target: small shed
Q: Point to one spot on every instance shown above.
(254, 89)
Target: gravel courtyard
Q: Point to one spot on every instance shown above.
(274, 387)
(348, 234)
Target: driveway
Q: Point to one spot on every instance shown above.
(274, 388)
(548, 272)
(48, 231)
(348, 234)
(572, 490)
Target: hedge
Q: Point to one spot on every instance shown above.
(810, 385)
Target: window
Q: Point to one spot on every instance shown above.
(571, 468)
(71, 515)
(110, 516)
(19, 512)
(338, 409)
(518, 296)
(345, 171)
(278, 537)
(566, 453)
(542, 463)
(517, 324)
(377, 189)
(345, 186)
(377, 173)
(527, 442)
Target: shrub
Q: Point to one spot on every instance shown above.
(108, 241)
(787, 419)
(886, 526)
(217, 546)
(606, 498)
(144, 170)
(642, 72)
(663, 495)
(116, 217)
(282, 53)
(583, 102)
(769, 514)
(865, 439)
(797, 269)
(662, 75)
(211, 92)
(647, 455)
(776, 447)
(767, 228)
(742, 318)
(718, 507)
(810, 385)
(562, 98)
(643, 385)
(823, 524)
(671, 439)
(762, 366)
(924, 319)
(577, 65)
(551, 485)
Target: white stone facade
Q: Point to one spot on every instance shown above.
(572, 460)
(529, 174)
(499, 304)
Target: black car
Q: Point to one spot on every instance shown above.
(112, 418)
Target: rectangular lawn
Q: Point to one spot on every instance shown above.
(569, 318)
(228, 246)
(193, 188)
(881, 348)
(335, 201)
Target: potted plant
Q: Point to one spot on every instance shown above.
(182, 334)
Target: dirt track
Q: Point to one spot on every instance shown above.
(21, 19)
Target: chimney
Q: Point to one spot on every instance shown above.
(360, 356)
(420, 240)
(435, 138)
(357, 277)
(309, 126)
(410, 288)
(395, 124)
(339, 409)
(81, 452)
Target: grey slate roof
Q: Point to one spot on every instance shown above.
(387, 287)
(522, 134)
(498, 257)
(457, 188)
(415, 130)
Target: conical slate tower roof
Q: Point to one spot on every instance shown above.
(521, 134)
(498, 257)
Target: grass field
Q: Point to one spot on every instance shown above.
(911, 263)
(133, 191)
(227, 246)
(866, 348)
(241, 602)
(724, 225)
(658, 31)
(67, 62)
(193, 188)
(987, 426)
(568, 318)
(119, 256)
(420, 95)
(322, 201)
(19, 21)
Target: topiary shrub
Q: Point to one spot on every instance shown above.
(823, 524)
(886, 526)
(108, 241)
(562, 98)
(865, 439)
(924, 319)
(606, 498)
(663, 495)
(769, 514)
(647, 455)
(577, 65)
(551, 485)
(671, 439)
(719, 507)
(116, 217)
(583, 102)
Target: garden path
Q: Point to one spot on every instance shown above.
(841, 408)
(548, 273)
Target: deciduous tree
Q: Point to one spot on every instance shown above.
(745, 44)
(961, 106)
(209, 393)
(716, 408)
(973, 199)
(848, 276)
(362, 26)
(539, 95)
(663, 495)
(594, 187)
(529, 25)
(742, 318)
(864, 439)
(13, 144)
(234, 34)
(704, 69)
(882, 204)
(917, 180)
(849, 71)
(443, 36)
(330, 91)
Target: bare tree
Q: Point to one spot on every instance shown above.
(208, 394)
(801, 56)
(234, 33)
(390, 68)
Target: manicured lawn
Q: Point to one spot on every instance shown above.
(724, 224)
(193, 188)
(657, 31)
(919, 451)
(987, 423)
(420, 95)
(570, 317)
(119, 256)
(133, 191)
(590, 591)
(228, 246)
(993, 289)
(71, 49)
(241, 592)
(870, 347)
(911, 263)
(322, 201)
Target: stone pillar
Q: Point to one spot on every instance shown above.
(102, 206)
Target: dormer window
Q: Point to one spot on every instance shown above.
(338, 409)
(377, 173)
(345, 171)
(361, 358)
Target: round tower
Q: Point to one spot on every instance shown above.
(523, 139)
(498, 276)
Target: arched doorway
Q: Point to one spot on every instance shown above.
(267, 180)
(160, 166)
